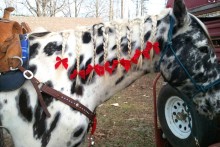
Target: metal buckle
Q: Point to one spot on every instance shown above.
(19, 58)
(31, 75)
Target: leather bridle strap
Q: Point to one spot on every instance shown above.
(40, 87)
(35, 83)
(67, 100)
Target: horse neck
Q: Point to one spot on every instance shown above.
(109, 46)
(96, 46)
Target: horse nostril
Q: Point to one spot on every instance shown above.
(203, 49)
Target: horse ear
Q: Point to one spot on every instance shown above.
(16, 29)
(179, 11)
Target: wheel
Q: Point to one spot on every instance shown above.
(2, 144)
(180, 122)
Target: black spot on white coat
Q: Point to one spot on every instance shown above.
(46, 136)
(41, 34)
(24, 106)
(79, 90)
(78, 132)
(34, 50)
(86, 38)
(147, 36)
(52, 47)
(100, 49)
(39, 127)
(33, 68)
(119, 80)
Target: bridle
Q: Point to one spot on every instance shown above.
(168, 46)
(43, 88)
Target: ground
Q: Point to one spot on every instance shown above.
(126, 120)
(131, 123)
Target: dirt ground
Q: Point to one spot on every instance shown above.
(126, 120)
(131, 123)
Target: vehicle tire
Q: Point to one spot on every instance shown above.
(1, 138)
(181, 123)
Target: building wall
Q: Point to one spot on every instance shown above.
(56, 23)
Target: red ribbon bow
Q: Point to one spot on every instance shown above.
(81, 73)
(155, 46)
(64, 62)
(108, 68)
(125, 63)
(97, 68)
(137, 54)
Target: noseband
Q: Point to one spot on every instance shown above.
(168, 46)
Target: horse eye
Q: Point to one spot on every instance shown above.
(203, 49)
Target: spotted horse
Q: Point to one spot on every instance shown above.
(89, 65)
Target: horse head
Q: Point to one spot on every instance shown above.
(188, 61)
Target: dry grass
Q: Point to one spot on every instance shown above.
(130, 124)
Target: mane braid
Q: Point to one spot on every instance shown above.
(65, 37)
(144, 50)
(129, 34)
(78, 47)
(141, 32)
(105, 43)
(94, 37)
(154, 30)
(118, 29)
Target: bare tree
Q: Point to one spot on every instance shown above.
(77, 7)
(97, 8)
(141, 7)
(44, 7)
(137, 7)
(67, 12)
(111, 12)
(10, 3)
(144, 7)
(122, 9)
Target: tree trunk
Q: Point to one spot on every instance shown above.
(75, 8)
(122, 9)
(97, 9)
(111, 13)
(137, 7)
(142, 7)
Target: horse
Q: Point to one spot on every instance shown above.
(70, 73)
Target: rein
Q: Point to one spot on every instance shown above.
(199, 87)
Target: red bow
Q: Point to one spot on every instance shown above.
(81, 73)
(155, 46)
(97, 68)
(94, 123)
(125, 63)
(137, 54)
(63, 61)
(108, 68)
